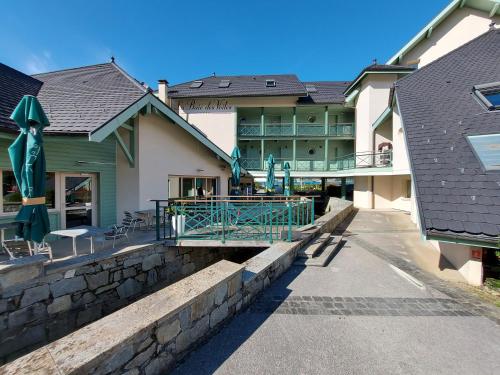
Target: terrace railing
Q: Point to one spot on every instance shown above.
(341, 130)
(251, 164)
(249, 130)
(362, 160)
(279, 129)
(304, 164)
(256, 218)
(310, 129)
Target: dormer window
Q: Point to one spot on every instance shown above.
(489, 95)
(270, 83)
(487, 150)
(311, 88)
(196, 84)
(224, 83)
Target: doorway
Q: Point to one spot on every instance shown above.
(79, 201)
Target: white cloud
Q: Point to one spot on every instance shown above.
(38, 63)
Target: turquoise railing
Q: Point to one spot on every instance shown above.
(256, 218)
(249, 130)
(251, 163)
(309, 165)
(278, 129)
(303, 129)
(310, 129)
(341, 130)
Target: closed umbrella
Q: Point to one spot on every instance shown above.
(270, 173)
(28, 164)
(286, 167)
(235, 166)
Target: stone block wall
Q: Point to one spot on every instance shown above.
(149, 336)
(42, 306)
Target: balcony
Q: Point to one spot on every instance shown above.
(254, 130)
(310, 165)
(362, 160)
(279, 130)
(341, 130)
(249, 130)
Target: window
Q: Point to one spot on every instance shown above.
(487, 150)
(11, 196)
(196, 84)
(224, 83)
(270, 83)
(489, 95)
(311, 88)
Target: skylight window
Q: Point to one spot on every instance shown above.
(487, 150)
(224, 83)
(311, 88)
(489, 95)
(270, 83)
(196, 84)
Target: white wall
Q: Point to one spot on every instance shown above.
(163, 149)
(363, 192)
(371, 102)
(400, 161)
(457, 29)
(460, 257)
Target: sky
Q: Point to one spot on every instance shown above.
(184, 40)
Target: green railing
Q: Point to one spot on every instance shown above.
(279, 129)
(254, 218)
(310, 165)
(251, 163)
(341, 130)
(249, 130)
(310, 129)
(302, 129)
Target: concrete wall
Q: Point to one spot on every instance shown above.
(400, 161)
(163, 149)
(461, 257)
(387, 192)
(363, 192)
(457, 29)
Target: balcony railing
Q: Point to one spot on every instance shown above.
(249, 130)
(252, 164)
(310, 129)
(362, 160)
(341, 130)
(303, 129)
(279, 129)
(307, 165)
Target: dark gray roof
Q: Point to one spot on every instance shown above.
(325, 92)
(81, 100)
(455, 195)
(13, 86)
(378, 68)
(248, 85)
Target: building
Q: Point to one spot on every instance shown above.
(335, 132)
(303, 123)
(111, 146)
(450, 113)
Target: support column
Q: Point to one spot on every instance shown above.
(323, 184)
(294, 154)
(343, 188)
(294, 121)
(261, 154)
(326, 121)
(326, 155)
(262, 128)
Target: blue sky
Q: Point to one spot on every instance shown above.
(184, 40)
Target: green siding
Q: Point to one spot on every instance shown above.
(64, 153)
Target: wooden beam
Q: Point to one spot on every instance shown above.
(429, 32)
(494, 9)
(124, 148)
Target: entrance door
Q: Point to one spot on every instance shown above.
(79, 200)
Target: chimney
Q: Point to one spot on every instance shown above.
(163, 90)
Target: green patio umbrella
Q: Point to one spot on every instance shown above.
(235, 166)
(270, 173)
(28, 163)
(286, 168)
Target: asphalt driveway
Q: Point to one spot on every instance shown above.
(373, 310)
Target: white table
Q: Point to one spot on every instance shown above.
(81, 231)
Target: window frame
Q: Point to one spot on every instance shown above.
(479, 92)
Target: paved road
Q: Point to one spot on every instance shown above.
(371, 311)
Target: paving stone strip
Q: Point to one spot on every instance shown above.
(370, 306)
(461, 296)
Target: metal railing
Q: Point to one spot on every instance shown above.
(251, 130)
(241, 218)
(303, 164)
(310, 129)
(362, 160)
(251, 163)
(341, 129)
(278, 129)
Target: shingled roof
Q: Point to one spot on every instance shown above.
(13, 86)
(456, 196)
(377, 68)
(245, 85)
(325, 92)
(81, 100)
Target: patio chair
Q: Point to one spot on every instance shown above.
(134, 220)
(43, 248)
(116, 233)
(17, 248)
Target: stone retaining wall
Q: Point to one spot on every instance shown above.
(336, 212)
(42, 302)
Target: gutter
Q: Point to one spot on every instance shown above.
(493, 243)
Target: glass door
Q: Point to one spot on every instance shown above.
(79, 205)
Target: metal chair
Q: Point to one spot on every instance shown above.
(43, 248)
(117, 232)
(17, 248)
(134, 220)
